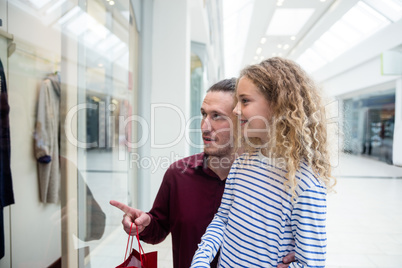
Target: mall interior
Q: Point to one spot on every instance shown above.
(128, 78)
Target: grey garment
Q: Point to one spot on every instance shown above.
(47, 139)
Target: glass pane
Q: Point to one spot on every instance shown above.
(106, 87)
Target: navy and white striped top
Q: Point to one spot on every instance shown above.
(257, 224)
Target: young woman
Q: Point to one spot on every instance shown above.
(275, 195)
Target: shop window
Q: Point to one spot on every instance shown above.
(369, 126)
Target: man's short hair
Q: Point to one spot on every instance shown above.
(225, 85)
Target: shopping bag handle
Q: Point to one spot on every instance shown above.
(140, 249)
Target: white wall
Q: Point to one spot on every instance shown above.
(360, 78)
(170, 88)
(165, 82)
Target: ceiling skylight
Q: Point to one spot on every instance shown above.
(360, 22)
(392, 9)
(288, 21)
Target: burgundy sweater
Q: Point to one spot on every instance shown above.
(188, 198)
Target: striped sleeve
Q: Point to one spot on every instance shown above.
(212, 240)
(309, 227)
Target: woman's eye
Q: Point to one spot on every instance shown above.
(244, 101)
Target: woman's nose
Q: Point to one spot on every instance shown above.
(236, 110)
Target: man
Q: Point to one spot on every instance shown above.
(192, 188)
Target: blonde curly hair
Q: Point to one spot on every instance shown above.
(297, 130)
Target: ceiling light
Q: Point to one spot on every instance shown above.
(263, 40)
(293, 37)
(279, 46)
(255, 57)
(258, 51)
(111, 3)
(288, 21)
(286, 46)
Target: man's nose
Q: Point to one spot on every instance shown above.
(206, 125)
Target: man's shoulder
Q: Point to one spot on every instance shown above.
(192, 161)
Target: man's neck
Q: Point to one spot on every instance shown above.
(220, 165)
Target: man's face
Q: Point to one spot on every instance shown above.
(217, 123)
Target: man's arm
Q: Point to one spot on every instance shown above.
(132, 215)
(153, 226)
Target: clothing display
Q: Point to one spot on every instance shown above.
(6, 184)
(257, 224)
(47, 139)
(188, 198)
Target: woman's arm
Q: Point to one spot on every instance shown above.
(309, 228)
(212, 240)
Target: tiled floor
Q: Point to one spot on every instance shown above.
(365, 215)
(364, 221)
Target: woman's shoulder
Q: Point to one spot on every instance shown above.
(308, 179)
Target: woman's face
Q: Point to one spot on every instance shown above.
(253, 110)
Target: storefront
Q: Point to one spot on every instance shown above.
(369, 125)
(72, 76)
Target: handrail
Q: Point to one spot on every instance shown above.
(6, 35)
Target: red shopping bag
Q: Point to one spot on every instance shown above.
(139, 259)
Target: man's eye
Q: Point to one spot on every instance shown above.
(203, 115)
(216, 116)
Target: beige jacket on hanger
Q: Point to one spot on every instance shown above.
(47, 139)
